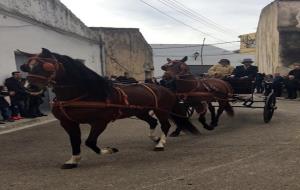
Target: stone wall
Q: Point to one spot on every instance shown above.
(267, 40)
(278, 36)
(126, 50)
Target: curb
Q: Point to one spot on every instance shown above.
(25, 123)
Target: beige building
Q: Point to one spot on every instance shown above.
(278, 36)
(248, 43)
(126, 50)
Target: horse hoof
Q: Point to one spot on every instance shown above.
(109, 150)
(157, 140)
(114, 150)
(210, 128)
(158, 149)
(69, 166)
(174, 134)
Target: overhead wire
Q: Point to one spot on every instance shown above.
(203, 33)
(189, 14)
(198, 45)
(203, 17)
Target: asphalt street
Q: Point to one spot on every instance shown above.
(242, 153)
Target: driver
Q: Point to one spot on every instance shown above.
(245, 71)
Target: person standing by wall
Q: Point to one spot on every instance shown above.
(18, 95)
(4, 105)
(277, 84)
(296, 73)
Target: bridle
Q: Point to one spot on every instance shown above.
(49, 65)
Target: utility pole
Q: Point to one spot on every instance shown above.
(202, 51)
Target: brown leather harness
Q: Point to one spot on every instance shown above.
(57, 67)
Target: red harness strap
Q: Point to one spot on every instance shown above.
(61, 105)
(153, 93)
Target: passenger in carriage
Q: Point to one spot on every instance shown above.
(245, 71)
(221, 70)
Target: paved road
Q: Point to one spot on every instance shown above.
(243, 153)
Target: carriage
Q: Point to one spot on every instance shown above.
(244, 94)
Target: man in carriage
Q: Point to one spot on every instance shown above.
(245, 71)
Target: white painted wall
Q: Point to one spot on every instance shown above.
(18, 34)
(211, 55)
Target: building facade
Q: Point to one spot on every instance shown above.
(125, 50)
(211, 55)
(32, 24)
(248, 43)
(278, 37)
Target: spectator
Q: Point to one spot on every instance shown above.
(151, 80)
(277, 85)
(126, 79)
(4, 105)
(296, 73)
(291, 85)
(221, 70)
(245, 71)
(35, 101)
(268, 84)
(259, 80)
(18, 95)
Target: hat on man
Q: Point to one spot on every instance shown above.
(224, 61)
(247, 60)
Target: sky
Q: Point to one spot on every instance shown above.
(174, 21)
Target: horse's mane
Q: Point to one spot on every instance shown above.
(85, 78)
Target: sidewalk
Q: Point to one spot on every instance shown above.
(25, 123)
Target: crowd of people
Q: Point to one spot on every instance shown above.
(263, 82)
(19, 99)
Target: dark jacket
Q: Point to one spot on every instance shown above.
(13, 84)
(3, 102)
(241, 71)
(296, 73)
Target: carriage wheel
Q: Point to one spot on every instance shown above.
(190, 111)
(270, 106)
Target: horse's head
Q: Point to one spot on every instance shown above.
(42, 68)
(176, 67)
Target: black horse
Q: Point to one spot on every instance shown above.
(82, 96)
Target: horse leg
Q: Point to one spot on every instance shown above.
(220, 110)
(202, 120)
(96, 129)
(152, 123)
(212, 111)
(73, 130)
(182, 122)
(165, 126)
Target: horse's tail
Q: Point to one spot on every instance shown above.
(182, 122)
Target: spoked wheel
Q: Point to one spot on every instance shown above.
(270, 106)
